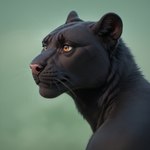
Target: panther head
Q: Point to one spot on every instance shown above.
(76, 55)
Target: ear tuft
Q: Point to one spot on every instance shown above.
(73, 17)
(110, 25)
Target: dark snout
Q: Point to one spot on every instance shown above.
(39, 62)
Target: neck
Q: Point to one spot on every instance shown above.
(87, 104)
(96, 104)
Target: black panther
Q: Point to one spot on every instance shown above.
(90, 62)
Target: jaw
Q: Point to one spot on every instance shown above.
(52, 92)
(48, 92)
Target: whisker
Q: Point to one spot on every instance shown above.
(66, 79)
(54, 82)
(66, 86)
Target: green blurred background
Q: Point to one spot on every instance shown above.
(28, 121)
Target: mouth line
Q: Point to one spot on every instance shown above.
(51, 85)
(40, 84)
(56, 85)
(61, 84)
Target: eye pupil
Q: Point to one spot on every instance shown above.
(67, 48)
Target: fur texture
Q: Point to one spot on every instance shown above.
(90, 62)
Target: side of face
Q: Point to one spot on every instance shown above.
(75, 55)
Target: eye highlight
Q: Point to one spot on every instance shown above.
(67, 48)
(44, 48)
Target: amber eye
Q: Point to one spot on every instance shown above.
(67, 48)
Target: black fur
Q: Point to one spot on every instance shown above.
(90, 62)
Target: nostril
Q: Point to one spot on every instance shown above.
(36, 68)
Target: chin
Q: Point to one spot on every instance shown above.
(49, 93)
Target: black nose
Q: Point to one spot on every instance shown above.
(36, 68)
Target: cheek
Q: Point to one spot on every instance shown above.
(73, 61)
(86, 64)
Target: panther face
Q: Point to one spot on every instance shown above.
(75, 56)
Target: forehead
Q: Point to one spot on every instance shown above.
(73, 31)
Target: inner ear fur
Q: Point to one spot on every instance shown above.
(109, 26)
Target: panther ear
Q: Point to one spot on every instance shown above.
(109, 26)
(72, 17)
